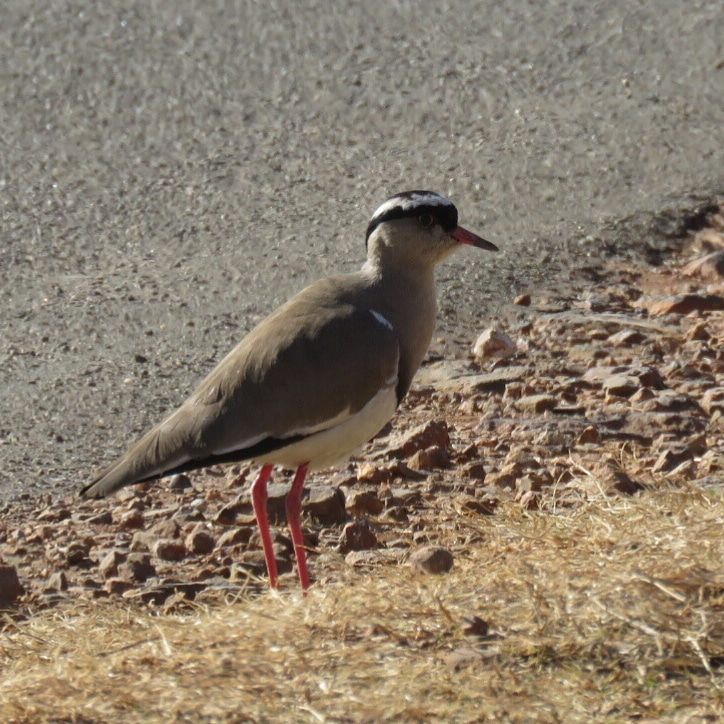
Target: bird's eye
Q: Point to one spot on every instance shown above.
(427, 220)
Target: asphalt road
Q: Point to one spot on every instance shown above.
(171, 171)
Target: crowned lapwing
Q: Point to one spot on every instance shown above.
(320, 376)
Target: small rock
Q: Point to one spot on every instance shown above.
(57, 582)
(229, 513)
(109, 564)
(200, 541)
(522, 300)
(642, 395)
(136, 567)
(468, 504)
(167, 528)
(76, 554)
(475, 471)
(143, 540)
(169, 550)
(589, 436)
(373, 474)
(530, 500)
(505, 477)
(276, 502)
(128, 519)
(117, 586)
(645, 376)
(493, 344)
(713, 400)
(532, 482)
(620, 385)
(432, 559)
(253, 560)
(614, 479)
(671, 401)
(476, 627)
(234, 536)
(699, 332)
(432, 433)
(357, 536)
(537, 403)
(10, 587)
(54, 514)
(363, 502)
(686, 303)
(429, 458)
(626, 338)
(326, 504)
(710, 266)
(104, 518)
(671, 458)
(181, 481)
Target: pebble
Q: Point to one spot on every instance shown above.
(626, 338)
(104, 518)
(537, 403)
(432, 433)
(493, 344)
(620, 385)
(363, 502)
(128, 519)
(10, 587)
(326, 504)
(108, 566)
(615, 480)
(136, 567)
(181, 481)
(432, 559)
(169, 550)
(685, 304)
(58, 581)
(143, 540)
(469, 504)
(710, 266)
(235, 535)
(475, 471)
(200, 541)
(357, 536)
(589, 436)
(117, 586)
(429, 458)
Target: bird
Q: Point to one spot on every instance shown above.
(316, 379)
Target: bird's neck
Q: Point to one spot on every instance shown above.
(406, 296)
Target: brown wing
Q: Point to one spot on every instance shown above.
(309, 364)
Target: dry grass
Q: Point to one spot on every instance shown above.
(608, 610)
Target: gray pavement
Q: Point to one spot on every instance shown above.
(171, 171)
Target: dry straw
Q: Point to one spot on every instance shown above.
(605, 610)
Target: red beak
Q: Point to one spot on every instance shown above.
(463, 236)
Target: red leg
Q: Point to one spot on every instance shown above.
(258, 500)
(294, 514)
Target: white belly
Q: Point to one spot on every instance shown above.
(330, 446)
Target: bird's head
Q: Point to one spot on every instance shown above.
(417, 227)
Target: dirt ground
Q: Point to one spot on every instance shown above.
(538, 534)
(170, 172)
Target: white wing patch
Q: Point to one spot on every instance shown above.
(411, 202)
(382, 319)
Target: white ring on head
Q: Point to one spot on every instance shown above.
(410, 202)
